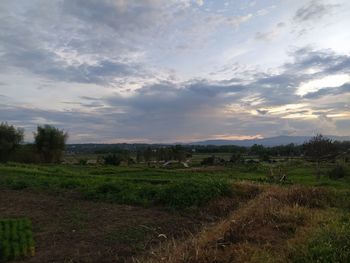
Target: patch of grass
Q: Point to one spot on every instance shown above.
(329, 243)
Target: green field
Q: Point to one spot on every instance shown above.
(151, 186)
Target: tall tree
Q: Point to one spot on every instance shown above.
(10, 138)
(50, 143)
(319, 149)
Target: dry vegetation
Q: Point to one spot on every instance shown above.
(268, 228)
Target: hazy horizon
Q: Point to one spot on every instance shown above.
(157, 71)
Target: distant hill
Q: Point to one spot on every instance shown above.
(272, 141)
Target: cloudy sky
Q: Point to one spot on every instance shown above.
(176, 70)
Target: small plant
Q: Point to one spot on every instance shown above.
(16, 239)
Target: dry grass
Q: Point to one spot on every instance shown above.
(222, 207)
(256, 232)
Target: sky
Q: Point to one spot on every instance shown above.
(161, 71)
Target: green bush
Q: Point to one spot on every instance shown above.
(16, 239)
(112, 159)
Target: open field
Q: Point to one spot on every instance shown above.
(199, 214)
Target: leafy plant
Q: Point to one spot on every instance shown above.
(16, 239)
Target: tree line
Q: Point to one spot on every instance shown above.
(48, 146)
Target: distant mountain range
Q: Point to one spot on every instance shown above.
(272, 141)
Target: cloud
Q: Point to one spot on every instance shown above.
(266, 36)
(263, 112)
(47, 64)
(213, 106)
(200, 2)
(281, 24)
(236, 21)
(101, 42)
(141, 69)
(314, 10)
(270, 35)
(325, 61)
(328, 91)
(55, 40)
(123, 16)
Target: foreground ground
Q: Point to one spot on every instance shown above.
(201, 215)
(69, 230)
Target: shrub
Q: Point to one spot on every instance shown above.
(113, 159)
(337, 172)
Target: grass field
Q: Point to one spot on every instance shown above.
(140, 214)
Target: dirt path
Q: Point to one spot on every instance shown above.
(70, 230)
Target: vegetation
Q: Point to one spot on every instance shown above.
(10, 138)
(328, 243)
(337, 172)
(112, 159)
(320, 149)
(16, 240)
(118, 185)
(50, 143)
(279, 225)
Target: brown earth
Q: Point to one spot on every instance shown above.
(70, 230)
